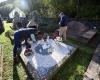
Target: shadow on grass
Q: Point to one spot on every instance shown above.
(15, 73)
(9, 35)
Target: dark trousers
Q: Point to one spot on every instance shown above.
(17, 44)
(15, 49)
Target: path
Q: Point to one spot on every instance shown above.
(93, 70)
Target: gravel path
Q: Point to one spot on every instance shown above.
(93, 70)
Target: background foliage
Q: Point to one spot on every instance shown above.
(51, 8)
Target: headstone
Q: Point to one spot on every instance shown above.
(46, 58)
(76, 28)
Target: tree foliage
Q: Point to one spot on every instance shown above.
(5, 10)
(73, 8)
(51, 8)
(56, 6)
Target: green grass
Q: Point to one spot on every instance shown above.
(8, 72)
(7, 48)
(76, 65)
(73, 69)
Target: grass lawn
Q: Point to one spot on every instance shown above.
(76, 65)
(73, 69)
(8, 72)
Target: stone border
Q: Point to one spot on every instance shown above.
(85, 37)
(93, 70)
(1, 62)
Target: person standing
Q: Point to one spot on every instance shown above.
(63, 25)
(1, 25)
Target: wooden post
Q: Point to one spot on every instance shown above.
(1, 62)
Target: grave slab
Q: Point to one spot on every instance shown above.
(89, 34)
(46, 58)
(80, 32)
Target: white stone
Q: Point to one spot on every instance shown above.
(60, 53)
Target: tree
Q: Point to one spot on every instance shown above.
(82, 8)
(67, 6)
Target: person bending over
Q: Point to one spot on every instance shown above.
(21, 35)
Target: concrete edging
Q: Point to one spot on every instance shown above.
(93, 70)
(1, 61)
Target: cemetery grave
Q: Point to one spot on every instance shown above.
(44, 62)
(80, 32)
(85, 52)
